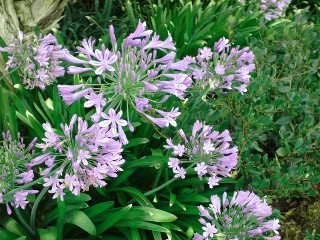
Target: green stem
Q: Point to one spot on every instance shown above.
(23, 222)
(30, 184)
(9, 73)
(35, 207)
(196, 104)
(166, 183)
(60, 218)
(160, 187)
(157, 178)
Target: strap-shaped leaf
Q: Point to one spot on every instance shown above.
(136, 195)
(149, 161)
(142, 225)
(150, 214)
(135, 142)
(98, 208)
(80, 219)
(47, 234)
(11, 225)
(113, 218)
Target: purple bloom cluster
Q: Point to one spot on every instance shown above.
(224, 67)
(207, 151)
(141, 73)
(82, 156)
(243, 217)
(15, 172)
(38, 61)
(273, 8)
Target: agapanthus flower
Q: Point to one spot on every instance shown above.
(81, 156)
(38, 61)
(15, 171)
(208, 152)
(273, 9)
(244, 216)
(223, 67)
(142, 73)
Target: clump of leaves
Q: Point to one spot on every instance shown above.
(92, 18)
(194, 24)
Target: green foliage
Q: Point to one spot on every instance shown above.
(92, 18)
(194, 24)
(276, 124)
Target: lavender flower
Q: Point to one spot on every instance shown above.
(273, 9)
(134, 74)
(69, 95)
(226, 68)
(37, 60)
(207, 152)
(245, 216)
(82, 156)
(15, 172)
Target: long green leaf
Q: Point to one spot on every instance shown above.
(80, 219)
(142, 225)
(135, 142)
(111, 219)
(149, 161)
(47, 234)
(136, 194)
(11, 225)
(150, 214)
(98, 208)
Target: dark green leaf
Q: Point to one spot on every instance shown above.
(81, 220)
(113, 218)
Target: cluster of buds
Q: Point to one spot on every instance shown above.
(224, 67)
(38, 61)
(81, 157)
(273, 9)
(245, 216)
(15, 171)
(208, 151)
(140, 73)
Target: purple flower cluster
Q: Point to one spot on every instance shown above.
(224, 67)
(15, 172)
(207, 151)
(245, 216)
(38, 61)
(82, 156)
(141, 73)
(273, 8)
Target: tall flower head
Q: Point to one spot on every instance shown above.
(38, 60)
(244, 216)
(142, 73)
(14, 171)
(81, 156)
(223, 67)
(273, 9)
(208, 152)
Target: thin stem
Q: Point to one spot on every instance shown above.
(155, 183)
(23, 221)
(160, 187)
(6, 75)
(60, 218)
(166, 183)
(28, 184)
(25, 186)
(35, 207)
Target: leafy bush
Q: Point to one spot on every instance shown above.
(280, 129)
